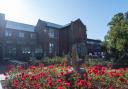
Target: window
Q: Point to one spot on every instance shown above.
(26, 50)
(50, 50)
(21, 34)
(45, 30)
(38, 50)
(51, 33)
(8, 33)
(32, 35)
(9, 41)
(21, 41)
(90, 42)
(51, 45)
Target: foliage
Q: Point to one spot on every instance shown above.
(47, 61)
(65, 77)
(117, 37)
(34, 61)
(54, 60)
(92, 62)
(116, 40)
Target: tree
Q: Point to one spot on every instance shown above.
(117, 37)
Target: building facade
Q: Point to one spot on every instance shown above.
(21, 41)
(94, 47)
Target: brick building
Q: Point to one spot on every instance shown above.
(19, 40)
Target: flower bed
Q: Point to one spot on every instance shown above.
(64, 77)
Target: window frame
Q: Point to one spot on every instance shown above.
(8, 33)
(21, 34)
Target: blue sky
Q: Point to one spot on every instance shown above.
(95, 14)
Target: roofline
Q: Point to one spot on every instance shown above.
(20, 23)
(94, 39)
(50, 22)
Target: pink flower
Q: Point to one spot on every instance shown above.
(60, 87)
(41, 65)
(20, 68)
(50, 66)
(67, 84)
(109, 66)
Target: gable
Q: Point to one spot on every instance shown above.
(80, 23)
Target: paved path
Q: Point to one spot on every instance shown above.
(3, 68)
(2, 77)
(0, 86)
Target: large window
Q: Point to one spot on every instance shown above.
(8, 33)
(51, 34)
(10, 51)
(21, 34)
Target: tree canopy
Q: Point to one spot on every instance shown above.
(117, 37)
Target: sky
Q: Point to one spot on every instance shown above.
(95, 14)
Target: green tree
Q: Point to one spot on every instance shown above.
(116, 39)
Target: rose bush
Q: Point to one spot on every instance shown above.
(64, 77)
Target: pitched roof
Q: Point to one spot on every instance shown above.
(49, 24)
(53, 25)
(69, 24)
(19, 26)
(94, 40)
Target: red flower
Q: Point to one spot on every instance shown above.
(20, 68)
(23, 78)
(89, 85)
(90, 79)
(122, 79)
(16, 83)
(111, 87)
(62, 73)
(60, 87)
(85, 75)
(50, 66)
(41, 65)
(59, 80)
(67, 84)
(109, 66)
